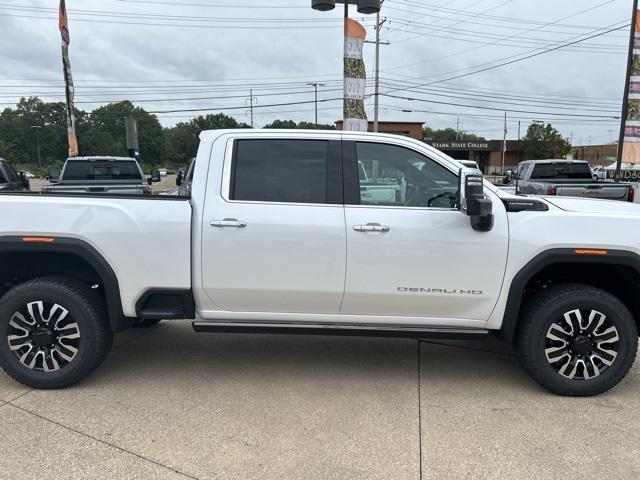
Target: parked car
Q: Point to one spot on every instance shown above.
(277, 238)
(29, 175)
(163, 172)
(10, 180)
(564, 178)
(598, 173)
(470, 164)
(103, 175)
(184, 181)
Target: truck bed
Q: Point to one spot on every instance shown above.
(140, 237)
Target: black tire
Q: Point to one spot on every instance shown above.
(85, 309)
(144, 323)
(553, 368)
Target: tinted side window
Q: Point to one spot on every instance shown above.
(3, 178)
(397, 176)
(292, 171)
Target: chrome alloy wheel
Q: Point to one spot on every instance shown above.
(582, 344)
(43, 336)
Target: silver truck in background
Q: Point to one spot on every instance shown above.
(564, 178)
(104, 175)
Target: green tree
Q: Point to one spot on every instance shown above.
(448, 135)
(282, 124)
(103, 132)
(544, 141)
(182, 140)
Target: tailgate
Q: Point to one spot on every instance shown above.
(608, 191)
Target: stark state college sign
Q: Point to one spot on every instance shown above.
(461, 145)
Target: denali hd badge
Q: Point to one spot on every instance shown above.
(454, 291)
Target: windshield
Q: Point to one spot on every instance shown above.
(561, 171)
(79, 170)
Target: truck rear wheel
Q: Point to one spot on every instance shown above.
(53, 332)
(576, 340)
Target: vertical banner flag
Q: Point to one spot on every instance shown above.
(63, 25)
(355, 77)
(630, 136)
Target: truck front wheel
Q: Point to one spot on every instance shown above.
(576, 340)
(53, 332)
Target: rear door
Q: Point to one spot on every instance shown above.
(273, 230)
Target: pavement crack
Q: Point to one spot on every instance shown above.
(419, 409)
(124, 450)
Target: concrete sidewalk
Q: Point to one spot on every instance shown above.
(170, 403)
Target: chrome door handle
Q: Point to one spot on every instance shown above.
(371, 227)
(227, 222)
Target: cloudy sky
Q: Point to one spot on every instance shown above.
(448, 60)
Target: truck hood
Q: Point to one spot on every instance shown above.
(588, 205)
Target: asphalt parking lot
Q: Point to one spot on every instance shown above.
(171, 403)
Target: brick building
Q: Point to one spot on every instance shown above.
(408, 129)
(596, 154)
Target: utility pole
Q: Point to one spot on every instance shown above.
(376, 95)
(37, 129)
(504, 141)
(251, 100)
(457, 128)
(315, 85)
(627, 85)
(519, 130)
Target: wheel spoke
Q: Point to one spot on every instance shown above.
(18, 321)
(592, 369)
(556, 332)
(578, 318)
(596, 319)
(606, 356)
(16, 342)
(69, 332)
(57, 315)
(610, 335)
(554, 354)
(36, 311)
(67, 352)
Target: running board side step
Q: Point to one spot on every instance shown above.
(390, 331)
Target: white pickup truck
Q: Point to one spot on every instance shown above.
(276, 238)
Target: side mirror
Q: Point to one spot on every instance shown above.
(508, 176)
(472, 201)
(54, 175)
(155, 176)
(179, 179)
(149, 181)
(25, 181)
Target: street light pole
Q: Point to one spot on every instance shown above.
(37, 128)
(315, 85)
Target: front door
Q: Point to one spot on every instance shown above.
(413, 254)
(273, 233)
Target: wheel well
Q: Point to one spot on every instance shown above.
(21, 266)
(618, 274)
(622, 281)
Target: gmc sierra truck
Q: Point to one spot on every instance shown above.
(276, 238)
(109, 175)
(564, 178)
